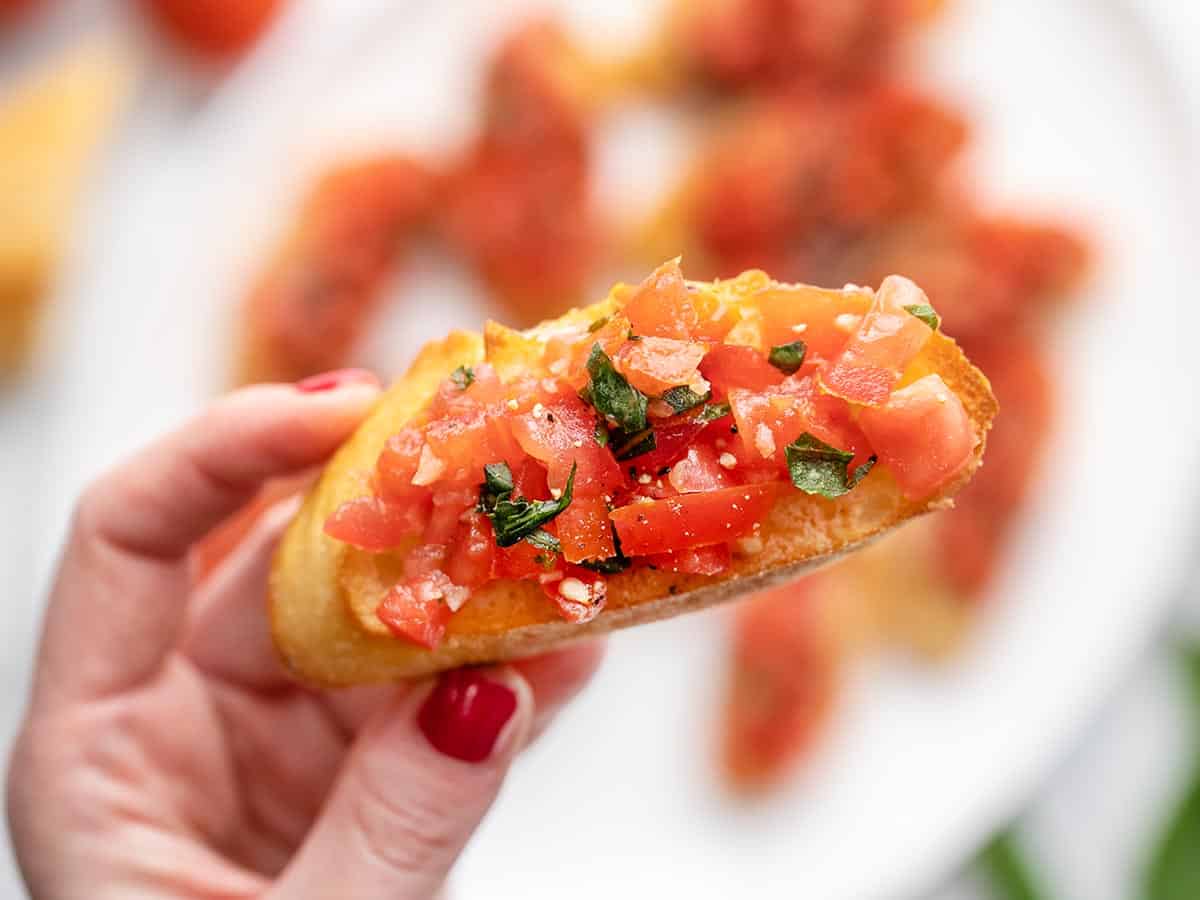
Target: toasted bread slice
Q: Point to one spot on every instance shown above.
(49, 128)
(324, 593)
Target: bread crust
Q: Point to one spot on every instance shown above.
(322, 593)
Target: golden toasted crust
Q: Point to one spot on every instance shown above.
(323, 593)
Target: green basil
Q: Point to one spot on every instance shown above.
(463, 376)
(683, 398)
(601, 434)
(632, 445)
(817, 468)
(787, 358)
(611, 395)
(544, 540)
(1007, 871)
(515, 520)
(926, 314)
(598, 324)
(714, 411)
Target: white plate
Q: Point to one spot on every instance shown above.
(1072, 114)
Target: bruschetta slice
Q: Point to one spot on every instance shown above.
(676, 445)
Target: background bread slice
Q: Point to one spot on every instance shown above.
(323, 593)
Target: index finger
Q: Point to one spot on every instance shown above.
(119, 597)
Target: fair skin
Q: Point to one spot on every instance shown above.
(165, 754)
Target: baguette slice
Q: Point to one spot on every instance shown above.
(323, 592)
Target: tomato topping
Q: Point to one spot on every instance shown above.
(371, 524)
(561, 434)
(579, 594)
(521, 560)
(217, 29)
(654, 365)
(922, 434)
(730, 366)
(814, 315)
(711, 560)
(692, 520)
(879, 351)
(662, 307)
(700, 470)
(448, 508)
(585, 531)
(397, 464)
(416, 611)
(671, 443)
(473, 551)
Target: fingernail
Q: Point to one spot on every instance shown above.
(330, 381)
(465, 714)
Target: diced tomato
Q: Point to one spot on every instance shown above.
(425, 559)
(692, 520)
(371, 524)
(472, 551)
(699, 470)
(562, 434)
(828, 418)
(654, 365)
(785, 678)
(661, 306)
(419, 619)
(397, 464)
(810, 314)
(879, 351)
(448, 507)
(529, 480)
(567, 356)
(460, 440)
(579, 594)
(712, 560)
(767, 422)
(670, 444)
(216, 29)
(585, 530)
(729, 366)
(922, 434)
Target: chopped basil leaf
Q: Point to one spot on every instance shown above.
(683, 398)
(463, 376)
(714, 411)
(513, 520)
(598, 324)
(787, 358)
(817, 468)
(546, 560)
(497, 485)
(635, 444)
(926, 314)
(601, 434)
(544, 540)
(611, 395)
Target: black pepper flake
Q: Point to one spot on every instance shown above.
(733, 429)
(673, 590)
(652, 567)
(665, 470)
(549, 417)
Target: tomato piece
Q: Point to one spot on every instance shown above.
(371, 524)
(828, 418)
(814, 315)
(460, 440)
(473, 551)
(422, 621)
(579, 594)
(654, 365)
(584, 530)
(661, 306)
(397, 464)
(562, 434)
(786, 674)
(216, 29)
(730, 366)
(448, 508)
(879, 351)
(692, 520)
(699, 470)
(712, 560)
(922, 435)
(671, 442)
(425, 559)
(521, 560)
(767, 422)
(566, 355)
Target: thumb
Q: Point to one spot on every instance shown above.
(416, 784)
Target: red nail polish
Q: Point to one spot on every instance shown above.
(329, 381)
(465, 714)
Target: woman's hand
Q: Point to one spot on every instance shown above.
(166, 755)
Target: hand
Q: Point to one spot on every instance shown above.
(166, 755)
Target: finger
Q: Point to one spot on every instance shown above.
(228, 633)
(419, 779)
(119, 596)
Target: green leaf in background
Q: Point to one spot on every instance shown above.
(1173, 872)
(1008, 873)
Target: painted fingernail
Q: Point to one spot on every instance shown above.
(465, 714)
(331, 381)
